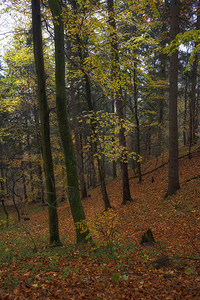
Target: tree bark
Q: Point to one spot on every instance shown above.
(63, 123)
(32, 195)
(114, 163)
(137, 124)
(161, 104)
(44, 118)
(40, 189)
(2, 191)
(193, 104)
(163, 63)
(78, 144)
(185, 111)
(173, 174)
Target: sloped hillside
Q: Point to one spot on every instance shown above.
(169, 268)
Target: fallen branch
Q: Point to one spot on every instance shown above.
(162, 165)
(193, 178)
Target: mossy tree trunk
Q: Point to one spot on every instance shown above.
(63, 123)
(44, 119)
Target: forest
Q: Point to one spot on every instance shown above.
(99, 149)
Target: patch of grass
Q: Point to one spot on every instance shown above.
(60, 251)
(65, 272)
(6, 256)
(37, 207)
(10, 282)
(48, 278)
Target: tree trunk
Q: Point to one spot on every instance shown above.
(193, 104)
(14, 202)
(76, 127)
(114, 163)
(185, 111)
(99, 160)
(78, 144)
(173, 174)
(32, 196)
(66, 137)
(137, 125)
(44, 118)
(148, 141)
(92, 171)
(163, 62)
(40, 189)
(93, 123)
(161, 104)
(119, 103)
(24, 181)
(3, 192)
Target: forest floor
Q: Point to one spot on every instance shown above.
(122, 269)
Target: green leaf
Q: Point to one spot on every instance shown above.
(116, 277)
(190, 271)
(125, 277)
(66, 272)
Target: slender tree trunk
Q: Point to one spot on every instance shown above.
(163, 61)
(193, 104)
(41, 185)
(66, 137)
(78, 144)
(88, 168)
(24, 181)
(32, 196)
(14, 202)
(173, 174)
(119, 103)
(44, 118)
(185, 111)
(93, 123)
(99, 160)
(3, 192)
(91, 161)
(137, 125)
(161, 104)
(148, 139)
(40, 190)
(114, 163)
(76, 127)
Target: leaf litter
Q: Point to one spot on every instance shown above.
(122, 268)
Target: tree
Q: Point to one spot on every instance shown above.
(78, 142)
(44, 118)
(66, 137)
(137, 124)
(90, 105)
(173, 173)
(119, 101)
(193, 102)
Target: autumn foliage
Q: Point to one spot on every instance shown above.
(114, 265)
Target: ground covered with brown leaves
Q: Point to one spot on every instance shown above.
(122, 269)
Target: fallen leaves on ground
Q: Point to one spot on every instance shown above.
(124, 271)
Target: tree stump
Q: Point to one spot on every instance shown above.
(147, 238)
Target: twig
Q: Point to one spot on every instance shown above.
(31, 237)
